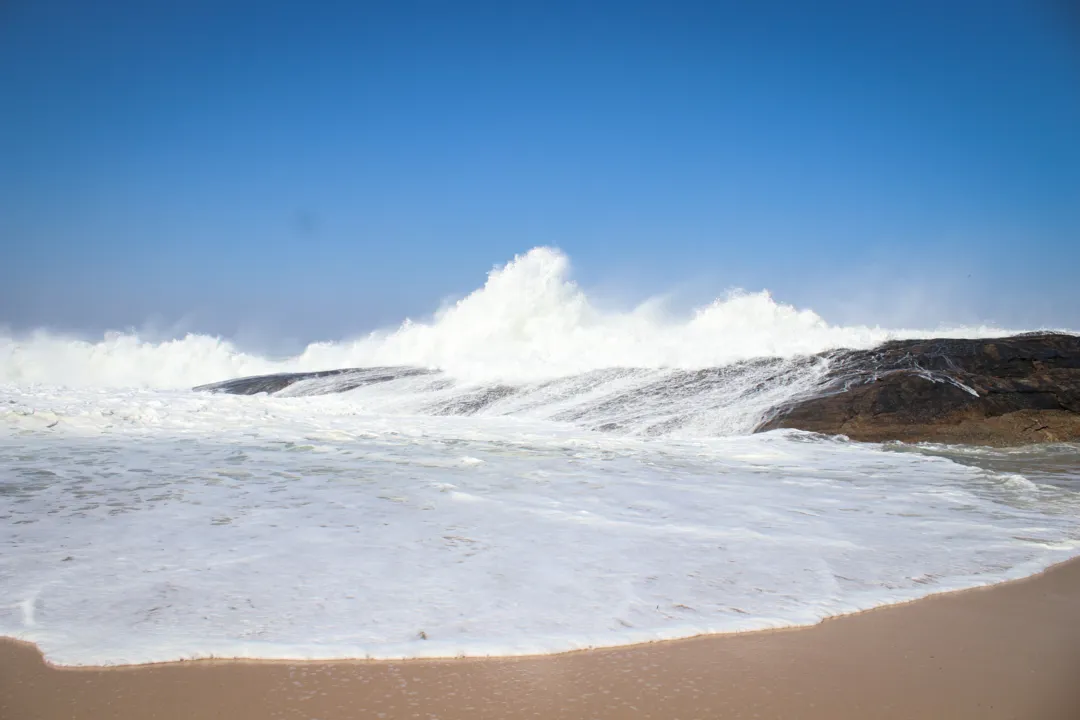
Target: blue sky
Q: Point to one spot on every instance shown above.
(312, 170)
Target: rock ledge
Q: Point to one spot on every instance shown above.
(1007, 391)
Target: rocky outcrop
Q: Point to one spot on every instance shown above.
(323, 382)
(1008, 391)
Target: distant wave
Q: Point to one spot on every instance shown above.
(528, 322)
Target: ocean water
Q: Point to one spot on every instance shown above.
(523, 473)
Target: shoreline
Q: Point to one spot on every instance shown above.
(1011, 649)
(528, 655)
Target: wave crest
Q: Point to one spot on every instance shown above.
(528, 321)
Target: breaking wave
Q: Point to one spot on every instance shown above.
(528, 322)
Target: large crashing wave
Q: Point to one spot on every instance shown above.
(528, 322)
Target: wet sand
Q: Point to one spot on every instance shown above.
(1008, 651)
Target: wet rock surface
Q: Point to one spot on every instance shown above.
(1007, 391)
(336, 381)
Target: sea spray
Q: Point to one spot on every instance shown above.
(529, 321)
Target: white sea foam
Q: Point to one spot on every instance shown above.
(147, 526)
(573, 478)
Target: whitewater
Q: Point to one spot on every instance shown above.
(524, 472)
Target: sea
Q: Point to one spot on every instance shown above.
(524, 472)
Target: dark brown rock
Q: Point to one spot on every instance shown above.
(1008, 391)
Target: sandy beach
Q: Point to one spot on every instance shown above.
(1007, 651)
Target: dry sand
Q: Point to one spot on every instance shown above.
(1009, 651)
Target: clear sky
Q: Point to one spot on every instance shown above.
(314, 169)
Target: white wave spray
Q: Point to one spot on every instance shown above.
(529, 321)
